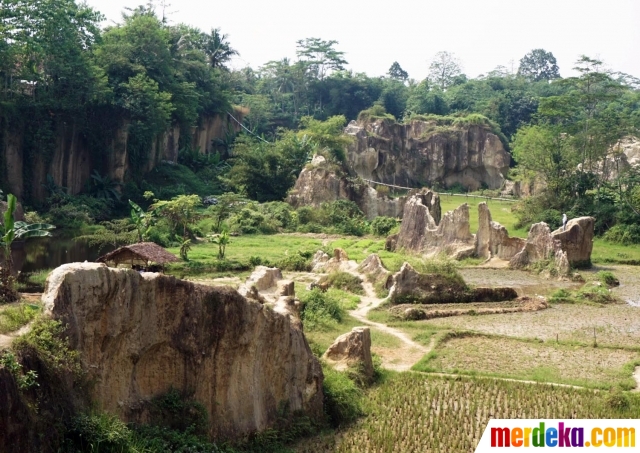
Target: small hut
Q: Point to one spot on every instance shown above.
(139, 256)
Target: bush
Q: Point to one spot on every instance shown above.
(382, 225)
(342, 398)
(344, 281)
(295, 262)
(319, 309)
(608, 278)
(623, 234)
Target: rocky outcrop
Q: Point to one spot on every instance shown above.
(577, 240)
(139, 335)
(373, 268)
(339, 262)
(323, 182)
(541, 246)
(72, 157)
(267, 286)
(421, 153)
(318, 261)
(492, 239)
(421, 232)
(352, 350)
(410, 286)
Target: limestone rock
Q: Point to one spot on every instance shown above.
(318, 261)
(418, 153)
(352, 349)
(414, 314)
(492, 239)
(266, 285)
(577, 240)
(452, 236)
(262, 278)
(391, 242)
(323, 182)
(18, 214)
(138, 335)
(373, 268)
(539, 246)
(410, 286)
(421, 212)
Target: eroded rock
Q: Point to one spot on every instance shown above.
(492, 239)
(138, 335)
(541, 246)
(411, 286)
(577, 240)
(373, 268)
(421, 152)
(352, 349)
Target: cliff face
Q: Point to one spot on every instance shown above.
(73, 159)
(420, 153)
(140, 335)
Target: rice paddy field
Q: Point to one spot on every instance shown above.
(412, 412)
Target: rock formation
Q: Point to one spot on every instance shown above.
(373, 268)
(427, 153)
(323, 182)
(72, 158)
(410, 286)
(577, 240)
(421, 232)
(267, 286)
(541, 246)
(318, 261)
(492, 239)
(139, 335)
(339, 262)
(352, 349)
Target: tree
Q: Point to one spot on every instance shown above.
(228, 203)
(539, 65)
(328, 135)
(143, 220)
(180, 211)
(320, 56)
(217, 48)
(423, 100)
(11, 230)
(221, 239)
(396, 72)
(444, 69)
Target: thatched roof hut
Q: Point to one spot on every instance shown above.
(138, 255)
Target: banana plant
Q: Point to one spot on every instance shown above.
(143, 220)
(221, 240)
(12, 230)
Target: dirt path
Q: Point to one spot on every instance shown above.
(398, 359)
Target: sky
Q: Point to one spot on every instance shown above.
(481, 33)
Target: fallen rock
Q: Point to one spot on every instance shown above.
(577, 240)
(414, 314)
(541, 246)
(410, 286)
(352, 350)
(139, 335)
(318, 261)
(267, 286)
(492, 239)
(262, 278)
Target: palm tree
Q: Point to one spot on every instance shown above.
(217, 48)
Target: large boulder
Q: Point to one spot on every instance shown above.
(140, 335)
(322, 182)
(577, 240)
(492, 239)
(541, 246)
(266, 285)
(410, 286)
(422, 153)
(373, 268)
(352, 350)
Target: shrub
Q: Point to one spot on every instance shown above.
(623, 234)
(319, 309)
(607, 278)
(382, 225)
(342, 398)
(295, 262)
(344, 281)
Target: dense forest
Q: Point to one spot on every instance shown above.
(148, 76)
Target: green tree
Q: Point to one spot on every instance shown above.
(228, 204)
(143, 220)
(180, 212)
(423, 100)
(218, 49)
(328, 135)
(222, 240)
(539, 65)
(396, 72)
(443, 69)
(320, 56)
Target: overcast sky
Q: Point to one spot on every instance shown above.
(482, 33)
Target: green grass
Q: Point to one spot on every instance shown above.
(588, 366)
(411, 412)
(15, 316)
(606, 252)
(500, 212)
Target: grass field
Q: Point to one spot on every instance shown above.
(411, 412)
(533, 360)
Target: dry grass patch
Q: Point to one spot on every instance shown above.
(532, 360)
